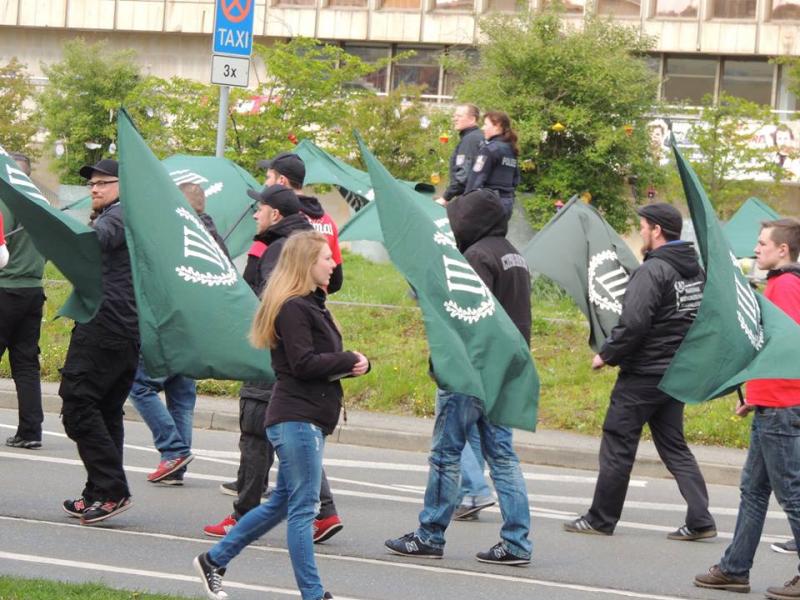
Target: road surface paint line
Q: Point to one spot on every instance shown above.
(85, 566)
(353, 559)
(232, 458)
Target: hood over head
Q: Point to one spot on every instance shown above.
(476, 215)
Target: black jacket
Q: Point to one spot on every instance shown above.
(659, 306)
(117, 313)
(257, 270)
(462, 160)
(309, 352)
(495, 168)
(479, 225)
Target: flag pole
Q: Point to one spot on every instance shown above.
(239, 220)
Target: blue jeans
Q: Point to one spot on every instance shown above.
(473, 482)
(170, 424)
(772, 465)
(456, 414)
(299, 447)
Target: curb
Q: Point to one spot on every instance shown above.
(537, 454)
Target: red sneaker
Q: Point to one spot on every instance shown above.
(221, 529)
(325, 529)
(168, 467)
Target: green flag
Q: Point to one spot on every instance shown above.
(583, 254)
(365, 224)
(745, 225)
(738, 334)
(194, 309)
(475, 347)
(70, 245)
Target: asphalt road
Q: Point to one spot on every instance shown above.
(378, 493)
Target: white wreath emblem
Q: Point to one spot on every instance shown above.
(470, 315)
(595, 298)
(192, 275)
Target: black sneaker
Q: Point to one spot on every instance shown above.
(327, 596)
(210, 577)
(75, 508)
(411, 545)
(229, 489)
(789, 547)
(173, 479)
(18, 442)
(581, 525)
(100, 511)
(685, 534)
(498, 555)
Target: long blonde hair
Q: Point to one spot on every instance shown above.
(290, 279)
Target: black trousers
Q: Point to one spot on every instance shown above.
(20, 326)
(95, 381)
(636, 400)
(256, 459)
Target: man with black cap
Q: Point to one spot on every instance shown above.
(289, 169)
(101, 361)
(278, 216)
(659, 306)
(21, 309)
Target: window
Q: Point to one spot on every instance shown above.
(507, 5)
(453, 78)
(304, 3)
(689, 79)
(619, 8)
(748, 79)
(786, 9)
(454, 4)
(348, 3)
(787, 101)
(574, 7)
(375, 81)
(421, 69)
(682, 9)
(400, 4)
(733, 9)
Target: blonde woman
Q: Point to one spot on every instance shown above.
(307, 357)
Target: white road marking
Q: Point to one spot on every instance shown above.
(87, 566)
(391, 564)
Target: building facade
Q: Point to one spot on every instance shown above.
(703, 46)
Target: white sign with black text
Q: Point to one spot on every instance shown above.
(230, 70)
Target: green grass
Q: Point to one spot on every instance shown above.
(13, 588)
(573, 397)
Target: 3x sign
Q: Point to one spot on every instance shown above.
(233, 42)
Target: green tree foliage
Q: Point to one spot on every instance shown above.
(17, 124)
(411, 139)
(77, 107)
(594, 82)
(727, 161)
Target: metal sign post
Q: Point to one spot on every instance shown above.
(230, 61)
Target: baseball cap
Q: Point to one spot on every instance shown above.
(279, 197)
(106, 166)
(665, 215)
(287, 164)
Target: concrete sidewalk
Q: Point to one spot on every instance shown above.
(545, 447)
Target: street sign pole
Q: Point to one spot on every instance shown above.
(231, 47)
(222, 120)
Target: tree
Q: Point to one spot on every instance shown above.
(17, 124)
(730, 166)
(578, 99)
(78, 105)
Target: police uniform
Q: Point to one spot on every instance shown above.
(469, 144)
(495, 169)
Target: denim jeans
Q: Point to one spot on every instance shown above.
(456, 414)
(473, 482)
(299, 447)
(170, 424)
(772, 465)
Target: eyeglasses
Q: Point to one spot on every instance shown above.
(100, 184)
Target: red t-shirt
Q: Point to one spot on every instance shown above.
(2, 235)
(327, 227)
(784, 291)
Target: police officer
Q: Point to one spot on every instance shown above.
(465, 121)
(495, 166)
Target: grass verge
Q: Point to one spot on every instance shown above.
(573, 397)
(14, 588)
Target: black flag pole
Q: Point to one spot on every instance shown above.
(239, 220)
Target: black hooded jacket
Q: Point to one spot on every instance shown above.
(659, 306)
(257, 270)
(479, 225)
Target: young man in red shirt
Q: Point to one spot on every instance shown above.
(773, 460)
